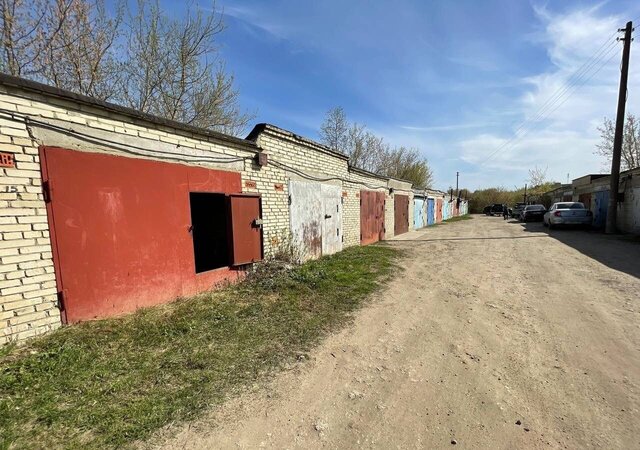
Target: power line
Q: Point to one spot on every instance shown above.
(166, 155)
(515, 142)
(561, 92)
(578, 79)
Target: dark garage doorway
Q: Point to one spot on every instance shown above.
(210, 230)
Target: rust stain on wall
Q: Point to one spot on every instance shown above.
(312, 238)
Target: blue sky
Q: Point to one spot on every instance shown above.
(452, 78)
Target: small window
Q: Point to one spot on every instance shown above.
(209, 230)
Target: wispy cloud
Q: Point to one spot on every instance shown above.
(561, 132)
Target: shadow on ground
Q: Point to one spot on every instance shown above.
(621, 253)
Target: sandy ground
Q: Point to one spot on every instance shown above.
(497, 335)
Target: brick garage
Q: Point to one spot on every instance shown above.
(34, 116)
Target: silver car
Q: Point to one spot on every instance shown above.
(567, 213)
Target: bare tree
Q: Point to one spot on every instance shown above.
(537, 176)
(79, 55)
(177, 72)
(335, 129)
(370, 152)
(154, 63)
(630, 156)
(28, 29)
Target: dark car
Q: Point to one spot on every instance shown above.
(533, 213)
(496, 209)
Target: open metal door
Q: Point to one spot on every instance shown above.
(246, 228)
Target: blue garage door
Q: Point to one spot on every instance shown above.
(419, 219)
(600, 212)
(431, 213)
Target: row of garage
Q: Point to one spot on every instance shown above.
(118, 226)
(125, 210)
(436, 207)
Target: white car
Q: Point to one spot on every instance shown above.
(567, 213)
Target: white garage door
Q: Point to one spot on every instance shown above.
(316, 218)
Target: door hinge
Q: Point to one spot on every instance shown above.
(337, 231)
(289, 199)
(46, 191)
(60, 300)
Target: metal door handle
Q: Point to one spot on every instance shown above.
(327, 216)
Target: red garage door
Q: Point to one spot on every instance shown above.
(128, 232)
(401, 213)
(371, 217)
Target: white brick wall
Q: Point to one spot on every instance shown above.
(27, 279)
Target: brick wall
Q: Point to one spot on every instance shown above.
(31, 117)
(27, 281)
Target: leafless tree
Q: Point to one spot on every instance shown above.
(370, 152)
(79, 56)
(630, 156)
(334, 129)
(28, 29)
(158, 64)
(177, 73)
(537, 176)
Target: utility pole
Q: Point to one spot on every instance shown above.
(612, 210)
(525, 193)
(457, 190)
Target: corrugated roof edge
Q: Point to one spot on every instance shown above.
(259, 128)
(44, 89)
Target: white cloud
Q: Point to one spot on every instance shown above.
(565, 138)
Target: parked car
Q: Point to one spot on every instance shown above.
(487, 210)
(533, 213)
(517, 209)
(567, 213)
(496, 209)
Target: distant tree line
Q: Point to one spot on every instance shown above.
(136, 56)
(370, 152)
(537, 186)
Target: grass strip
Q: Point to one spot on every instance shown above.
(458, 218)
(109, 383)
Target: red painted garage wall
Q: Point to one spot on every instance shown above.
(121, 230)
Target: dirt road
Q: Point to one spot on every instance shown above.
(495, 336)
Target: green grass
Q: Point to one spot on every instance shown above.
(458, 218)
(109, 383)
